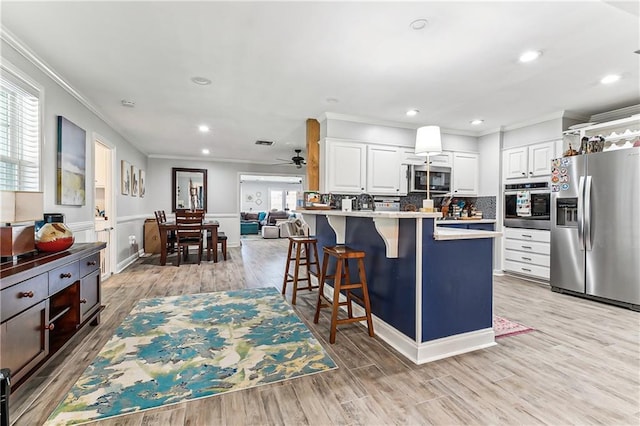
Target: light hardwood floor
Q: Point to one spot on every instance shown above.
(580, 366)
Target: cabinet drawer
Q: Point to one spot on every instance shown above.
(527, 246)
(528, 234)
(19, 297)
(524, 269)
(63, 277)
(529, 258)
(89, 264)
(89, 295)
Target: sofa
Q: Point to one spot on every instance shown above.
(274, 216)
(250, 223)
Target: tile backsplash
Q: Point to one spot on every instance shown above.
(487, 205)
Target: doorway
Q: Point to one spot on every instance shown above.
(104, 210)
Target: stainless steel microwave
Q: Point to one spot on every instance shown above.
(439, 179)
(527, 205)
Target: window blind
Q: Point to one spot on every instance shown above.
(19, 134)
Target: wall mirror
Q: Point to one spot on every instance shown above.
(189, 189)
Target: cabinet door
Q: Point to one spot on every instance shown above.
(441, 160)
(465, 174)
(89, 295)
(383, 170)
(24, 340)
(515, 163)
(346, 167)
(540, 156)
(409, 157)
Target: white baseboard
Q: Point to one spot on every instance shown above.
(427, 351)
(128, 261)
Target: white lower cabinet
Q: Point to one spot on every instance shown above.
(527, 252)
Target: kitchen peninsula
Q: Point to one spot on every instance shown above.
(430, 286)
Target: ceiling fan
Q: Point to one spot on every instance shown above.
(296, 160)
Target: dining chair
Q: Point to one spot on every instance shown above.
(161, 217)
(189, 233)
(222, 240)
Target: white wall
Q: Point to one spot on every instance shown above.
(550, 130)
(264, 189)
(57, 101)
(490, 149)
(390, 135)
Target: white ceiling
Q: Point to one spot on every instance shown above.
(275, 64)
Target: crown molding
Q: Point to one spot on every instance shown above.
(20, 47)
(209, 160)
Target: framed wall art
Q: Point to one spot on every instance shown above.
(125, 177)
(141, 183)
(134, 181)
(72, 143)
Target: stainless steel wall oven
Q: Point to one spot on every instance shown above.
(527, 205)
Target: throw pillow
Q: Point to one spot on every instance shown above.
(261, 216)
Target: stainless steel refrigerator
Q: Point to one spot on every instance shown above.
(595, 226)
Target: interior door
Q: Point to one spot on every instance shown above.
(104, 205)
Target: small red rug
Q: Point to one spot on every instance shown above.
(502, 327)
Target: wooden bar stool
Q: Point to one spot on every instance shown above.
(308, 259)
(342, 281)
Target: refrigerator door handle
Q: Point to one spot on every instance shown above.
(581, 213)
(587, 214)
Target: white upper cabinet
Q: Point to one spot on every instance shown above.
(528, 161)
(383, 170)
(345, 167)
(408, 156)
(540, 156)
(440, 160)
(355, 167)
(465, 174)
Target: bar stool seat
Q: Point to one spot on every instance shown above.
(342, 282)
(305, 253)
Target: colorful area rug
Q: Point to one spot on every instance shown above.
(503, 327)
(174, 349)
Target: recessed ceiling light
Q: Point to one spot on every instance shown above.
(332, 100)
(476, 122)
(205, 151)
(611, 78)
(418, 24)
(127, 103)
(412, 112)
(202, 81)
(203, 128)
(530, 55)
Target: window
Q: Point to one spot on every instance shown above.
(19, 133)
(281, 199)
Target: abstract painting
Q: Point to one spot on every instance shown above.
(72, 142)
(125, 179)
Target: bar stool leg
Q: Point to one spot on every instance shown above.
(296, 270)
(336, 301)
(365, 295)
(307, 256)
(347, 281)
(286, 269)
(325, 262)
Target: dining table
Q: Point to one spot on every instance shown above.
(166, 227)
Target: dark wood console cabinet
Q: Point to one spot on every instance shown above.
(44, 300)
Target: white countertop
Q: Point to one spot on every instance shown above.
(463, 221)
(444, 233)
(373, 214)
